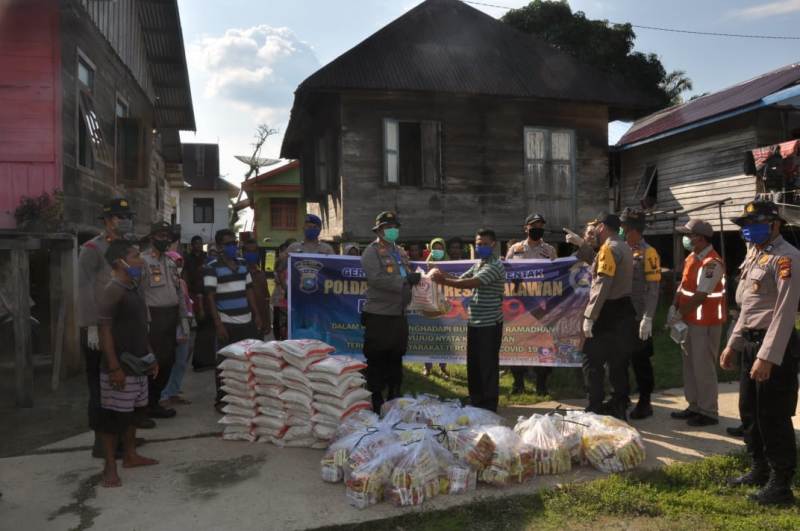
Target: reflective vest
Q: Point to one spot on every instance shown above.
(713, 310)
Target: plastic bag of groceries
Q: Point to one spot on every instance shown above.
(359, 420)
(511, 461)
(471, 416)
(427, 297)
(571, 426)
(550, 452)
(420, 473)
(396, 405)
(471, 445)
(353, 450)
(366, 483)
(611, 445)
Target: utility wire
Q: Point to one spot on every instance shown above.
(672, 30)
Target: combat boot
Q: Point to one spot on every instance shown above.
(756, 477)
(777, 491)
(643, 409)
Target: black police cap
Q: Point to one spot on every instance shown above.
(384, 218)
(119, 206)
(760, 210)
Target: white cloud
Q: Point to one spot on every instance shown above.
(769, 9)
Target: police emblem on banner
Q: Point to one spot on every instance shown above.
(309, 275)
(580, 278)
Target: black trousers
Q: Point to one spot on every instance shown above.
(767, 408)
(93, 358)
(641, 361)
(236, 332)
(614, 336)
(163, 328)
(385, 344)
(204, 354)
(483, 365)
(542, 373)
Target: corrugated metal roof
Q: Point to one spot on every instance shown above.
(729, 100)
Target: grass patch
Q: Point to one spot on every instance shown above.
(688, 496)
(564, 382)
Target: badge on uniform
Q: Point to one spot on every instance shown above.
(755, 287)
(763, 260)
(784, 267)
(155, 272)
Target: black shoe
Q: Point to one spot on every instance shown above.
(160, 412)
(642, 410)
(777, 491)
(682, 415)
(738, 431)
(756, 477)
(702, 420)
(145, 423)
(619, 411)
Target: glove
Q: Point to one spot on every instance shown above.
(646, 328)
(672, 316)
(588, 324)
(413, 278)
(573, 238)
(93, 338)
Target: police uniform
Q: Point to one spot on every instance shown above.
(166, 307)
(531, 250)
(389, 280)
(703, 272)
(94, 272)
(644, 296)
(310, 247)
(770, 291)
(611, 313)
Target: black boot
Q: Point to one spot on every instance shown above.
(617, 409)
(643, 409)
(756, 477)
(541, 384)
(777, 491)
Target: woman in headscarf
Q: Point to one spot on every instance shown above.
(437, 254)
(351, 249)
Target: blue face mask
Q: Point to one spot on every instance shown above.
(133, 272)
(231, 250)
(312, 233)
(756, 233)
(251, 257)
(483, 251)
(437, 254)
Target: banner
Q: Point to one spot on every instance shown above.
(543, 310)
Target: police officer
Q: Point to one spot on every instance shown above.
(587, 245)
(94, 273)
(764, 336)
(700, 303)
(311, 243)
(644, 295)
(166, 307)
(532, 247)
(609, 320)
(389, 281)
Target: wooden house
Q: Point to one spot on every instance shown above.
(277, 202)
(695, 154)
(456, 121)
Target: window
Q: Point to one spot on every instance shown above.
(283, 214)
(203, 210)
(647, 190)
(549, 172)
(323, 168)
(412, 153)
(200, 161)
(121, 109)
(92, 145)
(131, 169)
(85, 73)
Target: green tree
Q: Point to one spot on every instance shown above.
(601, 44)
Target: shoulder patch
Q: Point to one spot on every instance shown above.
(763, 260)
(606, 264)
(784, 267)
(90, 245)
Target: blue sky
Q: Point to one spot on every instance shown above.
(247, 56)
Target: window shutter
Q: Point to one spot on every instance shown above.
(129, 152)
(391, 149)
(322, 164)
(431, 154)
(100, 147)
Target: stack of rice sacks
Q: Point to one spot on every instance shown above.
(338, 392)
(239, 386)
(272, 420)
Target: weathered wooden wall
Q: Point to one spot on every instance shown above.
(483, 163)
(85, 191)
(696, 167)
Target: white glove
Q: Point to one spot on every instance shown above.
(185, 326)
(93, 338)
(646, 328)
(573, 238)
(588, 324)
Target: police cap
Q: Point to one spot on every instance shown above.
(533, 218)
(161, 226)
(608, 219)
(633, 217)
(385, 218)
(760, 210)
(118, 206)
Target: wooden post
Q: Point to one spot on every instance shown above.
(58, 347)
(722, 234)
(20, 285)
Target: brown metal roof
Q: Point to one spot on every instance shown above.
(201, 168)
(706, 107)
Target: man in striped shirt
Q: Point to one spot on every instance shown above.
(485, 330)
(231, 301)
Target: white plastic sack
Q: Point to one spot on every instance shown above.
(239, 411)
(234, 420)
(270, 402)
(268, 348)
(297, 432)
(273, 391)
(336, 388)
(428, 297)
(239, 401)
(239, 350)
(235, 365)
(337, 366)
(293, 421)
(324, 432)
(264, 421)
(248, 392)
(244, 377)
(268, 362)
(303, 352)
(296, 397)
(344, 402)
(340, 413)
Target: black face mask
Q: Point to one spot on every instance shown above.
(535, 234)
(161, 245)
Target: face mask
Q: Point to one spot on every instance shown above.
(756, 233)
(124, 225)
(231, 250)
(161, 245)
(535, 234)
(483, 251)
(312, 233)
(391, 234)
(622, 233)
(437, 254)
(134, 272)
(251, 257)
(687, 243)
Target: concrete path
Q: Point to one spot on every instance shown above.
(205, 483)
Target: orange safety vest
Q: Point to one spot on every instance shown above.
(714, 309)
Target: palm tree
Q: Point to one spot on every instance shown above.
(675, 84)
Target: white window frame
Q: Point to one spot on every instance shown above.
(388, 179)
(393, 178)
(548, 160)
